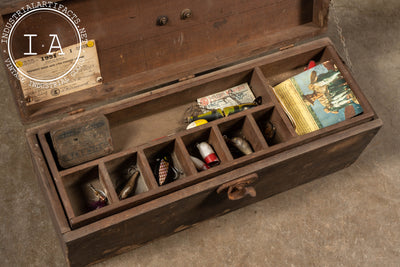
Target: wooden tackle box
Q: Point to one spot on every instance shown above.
(151, 75)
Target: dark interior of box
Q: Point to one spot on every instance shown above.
(135, 54)
(241, 128)
(78, 188)
(136, 125)
(170, 148)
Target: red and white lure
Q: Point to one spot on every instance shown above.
(199, 164)
(208, 154)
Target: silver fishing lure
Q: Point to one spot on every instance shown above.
(241, 144)
(100, 198)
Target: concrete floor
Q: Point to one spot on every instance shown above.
(350, 218)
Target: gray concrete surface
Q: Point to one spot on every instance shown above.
(350, 218)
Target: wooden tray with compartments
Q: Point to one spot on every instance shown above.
(151, 77)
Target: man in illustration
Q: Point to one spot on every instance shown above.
(311, 98)
(331, 90)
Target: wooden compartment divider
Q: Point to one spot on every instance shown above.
(274, 100)
(146, 170)
(283, 132)
(259, 86)
(184, 155)
(251, 123)
(56, 176)
(285, 119)
(105, 181)
(218, 142)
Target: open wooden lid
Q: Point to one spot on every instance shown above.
(136, 54)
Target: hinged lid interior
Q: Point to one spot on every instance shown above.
(136, 54)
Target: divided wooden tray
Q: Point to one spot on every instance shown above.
(144, 126)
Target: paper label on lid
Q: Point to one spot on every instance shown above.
(81, 74)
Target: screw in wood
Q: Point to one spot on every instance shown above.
(186, 13)
(162, 20)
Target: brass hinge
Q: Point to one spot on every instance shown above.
(187, 78)
(286, 47)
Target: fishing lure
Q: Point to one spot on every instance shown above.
(208, 154)
(100, 198)
(196, 123)
(208, 116)
(269, 132)
(241, 144)
(235, 109)
(225, 112)
(200, 165)
(128, 188)
(164, 171)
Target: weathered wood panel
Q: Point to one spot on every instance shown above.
(186, 207)
(136, 54)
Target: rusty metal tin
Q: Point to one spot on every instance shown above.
(82, 142)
